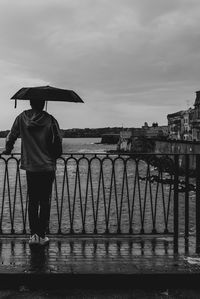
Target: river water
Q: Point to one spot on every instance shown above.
(93, 195)
(77, 145)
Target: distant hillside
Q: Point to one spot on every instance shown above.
(89, 133)
(80, 133)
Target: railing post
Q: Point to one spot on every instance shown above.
(176, 171)
(198, 203)
(186, 201)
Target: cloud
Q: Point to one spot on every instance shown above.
(139, 53)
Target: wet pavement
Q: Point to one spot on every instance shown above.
(97, 255)
(89, 265)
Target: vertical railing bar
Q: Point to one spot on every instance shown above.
(151, 199)
(176, 204)
(21, 199)
(9, 199)
(156, 197)
(80, 197)
(68, 195)
(140, 199)
(198, 203)
(57, 204)
(86, 194)
(121, 201)
(128, 197)
(186, 196)
(169, 198)
(110, 193)
(104, 198)
(145, 199)
(3, 196)
(74, 198)
(62, 201)
(98, 193)
(134, 192)
(24, 209)
(164, 204)
(115, 186)
(92, 196)
(14, 202)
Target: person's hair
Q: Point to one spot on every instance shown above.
(37, 104)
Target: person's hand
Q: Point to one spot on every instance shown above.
(6, 152)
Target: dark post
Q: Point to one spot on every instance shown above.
(198, 203)
(176, 171)
(186, 201)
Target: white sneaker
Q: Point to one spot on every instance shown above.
(34, 239)
(43, 241)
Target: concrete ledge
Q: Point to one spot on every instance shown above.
(103, 281)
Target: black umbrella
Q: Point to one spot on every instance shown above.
(47, 93)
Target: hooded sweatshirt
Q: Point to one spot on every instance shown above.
(35, 130)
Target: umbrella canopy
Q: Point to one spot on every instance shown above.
(47, 93)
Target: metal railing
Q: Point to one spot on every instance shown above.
(99, 193)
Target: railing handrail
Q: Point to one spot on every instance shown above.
(116, 153)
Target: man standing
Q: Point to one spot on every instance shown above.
(37, 129)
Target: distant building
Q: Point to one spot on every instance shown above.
(175, 125)
(196, 118)
(185, 124)
(135, 136)
(138, 132)
(155, 131)
(165, 130)
(180, 125)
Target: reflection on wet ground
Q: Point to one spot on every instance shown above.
(92, 255)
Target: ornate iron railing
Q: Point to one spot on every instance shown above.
(98, 193)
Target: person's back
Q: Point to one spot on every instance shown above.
(36, 134)
(35, 128)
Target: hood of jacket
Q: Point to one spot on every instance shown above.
(34, 119)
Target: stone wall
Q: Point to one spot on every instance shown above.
(179, 147)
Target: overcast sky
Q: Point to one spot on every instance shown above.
(131, 61)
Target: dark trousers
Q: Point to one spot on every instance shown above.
(39, 191)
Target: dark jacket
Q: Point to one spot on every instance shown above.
(35, 130)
